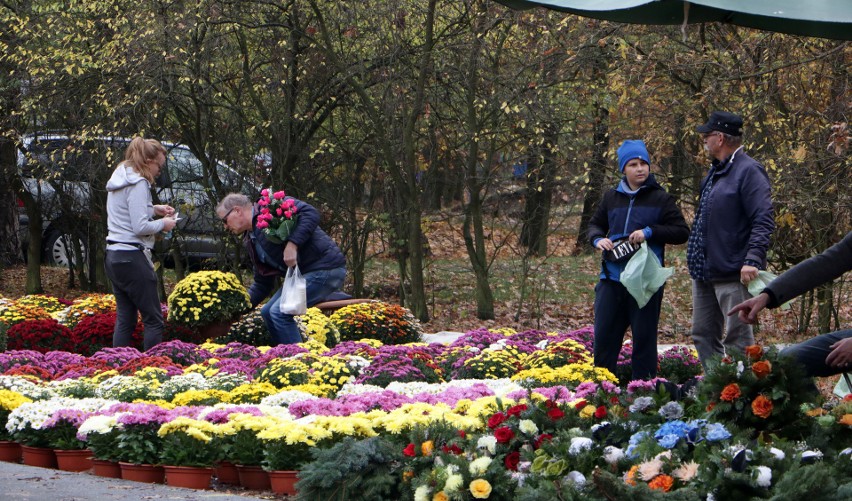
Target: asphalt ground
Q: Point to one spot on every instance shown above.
(21, 482)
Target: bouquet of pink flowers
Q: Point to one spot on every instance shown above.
(277, 215)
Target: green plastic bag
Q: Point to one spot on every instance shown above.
(763, 279)
(644, 275)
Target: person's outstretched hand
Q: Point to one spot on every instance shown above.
(748, 309)
(841, 354)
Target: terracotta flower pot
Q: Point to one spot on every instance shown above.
(253, 478)
(73, 460)
(226, 473)
(105, 468)
(38, 456)
(214, 330)
(10, 451)
(191, 477)
(283, 481)
(147, 473)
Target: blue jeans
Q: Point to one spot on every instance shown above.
(320, 284)
(811, 354)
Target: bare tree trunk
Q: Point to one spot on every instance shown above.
(597, 174)
(10, 245)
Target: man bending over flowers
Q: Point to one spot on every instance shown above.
(299, 240)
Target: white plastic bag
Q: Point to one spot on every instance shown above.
(294, 294)
(763, 279)
(643, 275)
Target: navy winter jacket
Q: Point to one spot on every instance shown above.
(317, 251)
(739, 218)
(619, 214)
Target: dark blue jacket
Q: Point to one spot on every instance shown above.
(739, 218)
(317, 251)
(619, 214)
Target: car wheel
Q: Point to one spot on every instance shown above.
(59, 250)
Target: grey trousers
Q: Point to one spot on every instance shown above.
(713, 331)
(134, 284)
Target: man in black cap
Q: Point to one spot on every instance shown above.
(729, 239)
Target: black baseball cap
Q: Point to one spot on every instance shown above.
(722, 121)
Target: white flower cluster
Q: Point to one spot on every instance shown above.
(286, 397)
(119, 387)
(180, 383)
(227, 381)
(34, 414)
(27, 388)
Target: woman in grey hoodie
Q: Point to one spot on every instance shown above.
(131, 225)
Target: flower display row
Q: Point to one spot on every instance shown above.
(200, 301)
(558, 429)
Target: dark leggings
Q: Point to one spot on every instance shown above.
(134, 284)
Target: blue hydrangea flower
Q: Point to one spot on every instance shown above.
(672, 410)
(677, 428)
(668, 441)
(716, 432)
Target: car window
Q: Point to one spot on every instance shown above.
(185, 169)
(59, 159)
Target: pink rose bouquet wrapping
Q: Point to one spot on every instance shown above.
(277, 215)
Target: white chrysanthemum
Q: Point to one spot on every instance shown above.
(528, 426)
(453, 483)
(97, 424)
(479, 465)
(287, 397)
(578, 478)
(579, 444)
(777, 453)
(421, 493)
(612, 454)
(487, 442)
(764, 476)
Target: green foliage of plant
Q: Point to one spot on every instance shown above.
(139, 444)
(353, 470)
(757, 389)
(249, 329)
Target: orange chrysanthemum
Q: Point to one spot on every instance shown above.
(730, 392)
(630, 476)
(661, 483)
(762, 407)
(761, 368)
(754, 352)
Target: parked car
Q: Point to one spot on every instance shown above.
(65, 177)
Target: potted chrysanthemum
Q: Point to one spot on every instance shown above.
(208, 301)
(189, 451)
(286, 448)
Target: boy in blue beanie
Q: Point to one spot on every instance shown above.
(637, 210)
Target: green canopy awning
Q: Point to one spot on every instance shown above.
(816, 18)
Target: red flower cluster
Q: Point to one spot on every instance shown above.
(40, 335)
(140, 363)
(504, 434)
(94, 333)
(29, 370)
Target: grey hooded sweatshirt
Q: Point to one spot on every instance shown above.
(130, 210)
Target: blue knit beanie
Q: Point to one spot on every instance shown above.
(630, 149)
